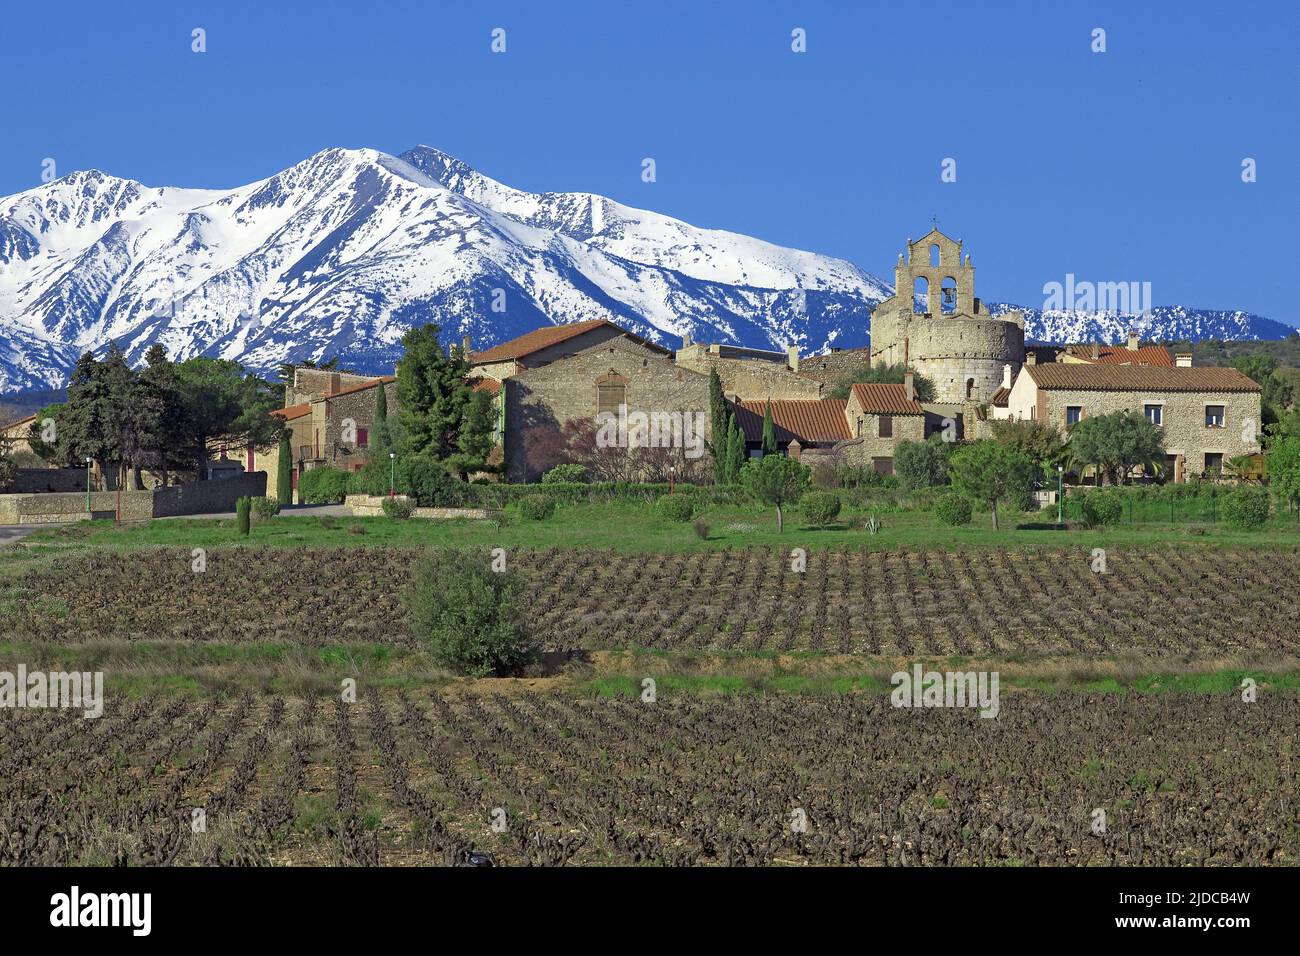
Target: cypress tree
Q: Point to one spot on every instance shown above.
(735, 450)
(243, 514)
(284, 472)
(769, 430)
(718, 438)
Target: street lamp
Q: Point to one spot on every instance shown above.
(672, 479)
(392, 474)
(87, 484)
(1060, 492)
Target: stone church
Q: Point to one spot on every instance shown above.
(935, 324)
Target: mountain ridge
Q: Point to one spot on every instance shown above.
(343, 251)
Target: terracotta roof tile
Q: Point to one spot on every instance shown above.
(1139, 378)
(546, 336)
(290, 412)
(359, 388)
(884, 399)
(489, 385)
(1001, 397)
(17, 422)
(1122, 355)
(809, 420)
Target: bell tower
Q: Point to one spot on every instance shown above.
(933, 270)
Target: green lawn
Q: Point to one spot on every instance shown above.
(638, 527)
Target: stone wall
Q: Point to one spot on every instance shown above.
(751, 379)
(565, 390)
(197, 497)
(312, 383)
(835, 367)
(1183, 427)
(868, 446)
(950, 350)
(47, 480)
(372, 506)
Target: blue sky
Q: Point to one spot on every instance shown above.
(1115, 166)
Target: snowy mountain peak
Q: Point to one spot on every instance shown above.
(344, 251)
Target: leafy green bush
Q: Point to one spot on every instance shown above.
(399, 509)
(429, 483)
(701, 529)
(537, 507)
(1246, 508)
(676, 507)
(820, 507)
(323, 486)
(265, 508)
(568, 474)
(953, 509)
(469, 616)
(243, 514)
(922, 464)
(1101, 508)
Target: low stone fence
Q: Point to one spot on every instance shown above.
(197, 497)
(33, 481)
(372, 506)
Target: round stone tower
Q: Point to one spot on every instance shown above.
(935, 325)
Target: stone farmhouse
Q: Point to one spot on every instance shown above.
(329, 416)
(1208, 415)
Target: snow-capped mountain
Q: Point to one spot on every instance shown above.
(343, 252)
(1165, 323)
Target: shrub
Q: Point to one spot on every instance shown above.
(701, 529)
(1101, 508)
(953, 509)
(469, 616)
(265, 508)
(820, 507)
(323, 486)
(1022, 499)
(537, 507)
(399, 509)
(243, 514)
(922, 464)
(676, 507)
(1246, 508)
(429, 483)
(357, 528)
(568, 474)
(326, 522)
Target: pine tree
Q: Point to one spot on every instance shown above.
(769, 430)
(432, 393)
(284, 471)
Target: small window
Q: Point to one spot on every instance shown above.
(886, 427)
(363, 437)
(1154, 414)
(1073, 414)
(1214, 462)
(1214, 417)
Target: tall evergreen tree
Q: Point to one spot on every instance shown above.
(769, 430)
(735, 450)
(380, 441)
(432, 392)
(474, 440)
(162, 424)
(718, 412)
(284, 471)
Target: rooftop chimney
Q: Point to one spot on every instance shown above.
(909, 389)
(1096, 351)
(793, 357)
(686, 340)
(1031, 356)
(1006, 376)
(1183, 360)
(464, 344)
(1134, 340)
